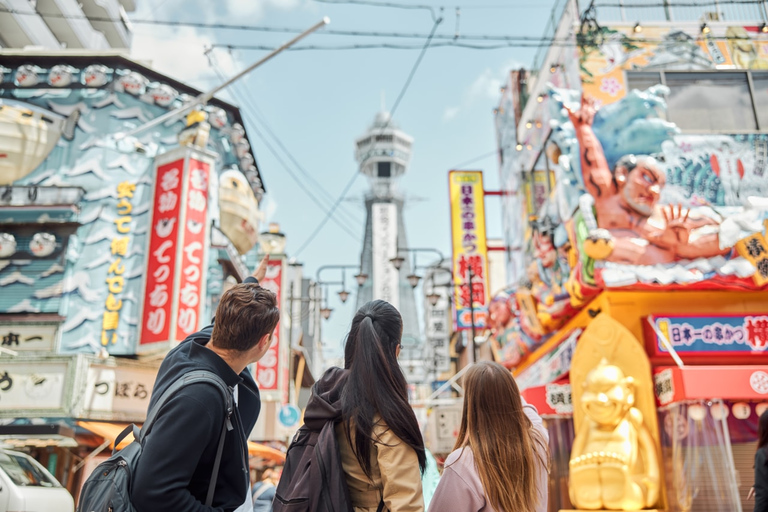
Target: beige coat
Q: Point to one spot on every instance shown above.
(395, 472)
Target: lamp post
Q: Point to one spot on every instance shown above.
(360, 277)
(434, 297)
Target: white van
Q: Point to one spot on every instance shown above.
(26, 486)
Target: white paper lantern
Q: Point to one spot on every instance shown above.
(761, 408)
(42, 244)
(719, 411)
(741, 410)
(697, 412)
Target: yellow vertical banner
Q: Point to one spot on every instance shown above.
(470, 250)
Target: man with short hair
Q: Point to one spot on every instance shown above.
(178, 455)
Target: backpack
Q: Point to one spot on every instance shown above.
(108, 489)
(313, 477)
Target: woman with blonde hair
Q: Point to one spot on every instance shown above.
(499, 463)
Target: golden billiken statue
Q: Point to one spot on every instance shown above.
(613, 464)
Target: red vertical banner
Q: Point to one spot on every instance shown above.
(193, 247)
(174, 287)
(268, 370)
(161, 260)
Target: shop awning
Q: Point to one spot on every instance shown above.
(109, 431)
(727, 382)
(265, 452)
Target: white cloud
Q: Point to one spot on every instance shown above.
(486, 87)
(450, 113)
(180, 53)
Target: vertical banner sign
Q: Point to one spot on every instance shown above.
(161, 262)
(386, 278)
(193, 236)
(178, 243)
(268, 369)
(470, 251)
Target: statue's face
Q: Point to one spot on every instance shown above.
(544, 249)
(607, 395)
(641, 187)
(500, 314)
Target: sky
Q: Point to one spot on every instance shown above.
(318, 102)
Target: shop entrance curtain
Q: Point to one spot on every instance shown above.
(697, 457)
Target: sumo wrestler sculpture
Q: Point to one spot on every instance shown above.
(613, 464)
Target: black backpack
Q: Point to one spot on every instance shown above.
(313, 477)
(108, 489)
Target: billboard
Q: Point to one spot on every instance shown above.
(178, 243)
(470, 251)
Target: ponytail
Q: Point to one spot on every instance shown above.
(376, 384)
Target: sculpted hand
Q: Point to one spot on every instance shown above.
(261, 270)
(586, 114)
(677, 227)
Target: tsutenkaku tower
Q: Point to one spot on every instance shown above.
(383, 154)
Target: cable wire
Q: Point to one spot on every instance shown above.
(237, 93)
(245, 100)
(391, 115)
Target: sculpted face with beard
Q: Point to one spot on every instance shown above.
(635, 229)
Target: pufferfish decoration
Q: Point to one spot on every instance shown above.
(95, 75)
(42, 244)
(7, 245)
(61, 75)
(27, 75)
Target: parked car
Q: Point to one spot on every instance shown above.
(26, 486)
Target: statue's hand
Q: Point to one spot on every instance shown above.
(677, 228)
(585, 116)
(599, 244)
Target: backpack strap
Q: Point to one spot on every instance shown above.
(192, 378)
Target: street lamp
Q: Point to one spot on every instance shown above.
(361, 278)
(433, 298)
(343, 296)
(413, 280)
(326, 312)
(397, 262)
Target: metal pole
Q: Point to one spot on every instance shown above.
(292, 398)
(206, 96)
(471, 345)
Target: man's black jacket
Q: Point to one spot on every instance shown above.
(178, 454)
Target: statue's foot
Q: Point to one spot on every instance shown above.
(619, 491)
(585, 489)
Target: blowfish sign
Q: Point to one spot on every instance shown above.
(173, 296)
(470, 252)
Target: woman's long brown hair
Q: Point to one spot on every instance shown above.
(503, 439)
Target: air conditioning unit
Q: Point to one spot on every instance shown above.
(713, 16)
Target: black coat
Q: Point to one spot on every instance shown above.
(177, 459)
(761, 480)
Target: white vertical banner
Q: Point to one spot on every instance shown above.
(386, 277)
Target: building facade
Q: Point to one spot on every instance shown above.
(643, 207)
(113, 247)
(58, 24)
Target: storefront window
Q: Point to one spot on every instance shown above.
(760, 96)
(710, 101)
(642, 80)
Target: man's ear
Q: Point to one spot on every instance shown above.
(265, 341)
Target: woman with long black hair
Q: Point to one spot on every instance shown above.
(382, 451)
(761, 465)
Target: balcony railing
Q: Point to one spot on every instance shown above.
(681, 10)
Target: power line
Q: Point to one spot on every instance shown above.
(236, 90)
(475, 159)
(391, 116)
(245, 100)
